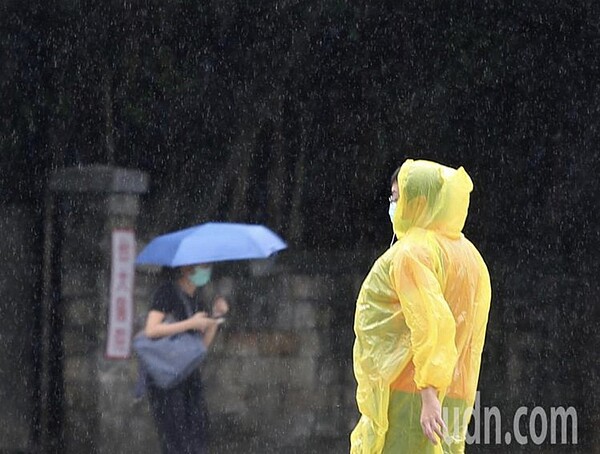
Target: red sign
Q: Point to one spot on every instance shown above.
(120, 313)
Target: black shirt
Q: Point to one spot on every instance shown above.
(169, 298)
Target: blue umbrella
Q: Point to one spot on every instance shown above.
(211, 242)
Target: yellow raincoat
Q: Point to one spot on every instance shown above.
(421, 317)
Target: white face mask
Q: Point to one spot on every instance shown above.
(392, 210)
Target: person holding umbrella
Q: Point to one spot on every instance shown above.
(186, 256)
(180, 412)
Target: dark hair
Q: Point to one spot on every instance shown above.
(394, 178)
(168, 273)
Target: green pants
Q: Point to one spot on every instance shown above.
(405, 436)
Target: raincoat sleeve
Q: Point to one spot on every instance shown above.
(416, 276)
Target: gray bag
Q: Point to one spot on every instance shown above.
(169, 360)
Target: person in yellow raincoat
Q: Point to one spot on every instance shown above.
(420, 321)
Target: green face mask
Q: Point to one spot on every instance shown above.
(200, 276)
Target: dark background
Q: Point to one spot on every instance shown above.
(295, 113)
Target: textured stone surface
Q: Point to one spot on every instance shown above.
(98, 403)
(279, 376)
(17, 276)
(99, 179)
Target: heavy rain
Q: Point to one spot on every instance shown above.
(122, 121)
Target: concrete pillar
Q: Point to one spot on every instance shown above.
(96, 404)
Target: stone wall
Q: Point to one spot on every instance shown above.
(541, 351)
(278, 377)
(18, 275)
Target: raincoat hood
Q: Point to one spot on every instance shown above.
(432, 196)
